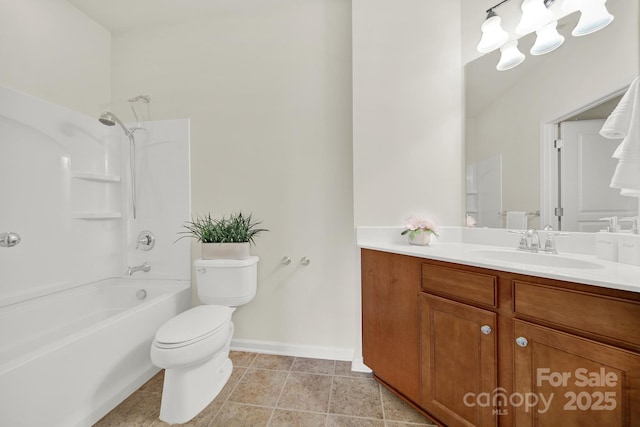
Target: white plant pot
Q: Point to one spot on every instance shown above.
(419, 237)
(225, 250)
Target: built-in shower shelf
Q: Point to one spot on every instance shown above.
(89, 176)
(97, 215)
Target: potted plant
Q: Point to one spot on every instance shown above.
(420, 230)
(225, 238)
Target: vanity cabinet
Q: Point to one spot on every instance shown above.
(459, 356)
(575, 381)
(390, 337)
(493, 348)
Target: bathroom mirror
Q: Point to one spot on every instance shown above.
(513, 117)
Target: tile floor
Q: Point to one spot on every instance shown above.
(276, 391)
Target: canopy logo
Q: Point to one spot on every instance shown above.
(599, 400)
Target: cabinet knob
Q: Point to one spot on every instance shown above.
(485, 329)
(522, 341)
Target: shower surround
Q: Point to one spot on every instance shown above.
(65, 186)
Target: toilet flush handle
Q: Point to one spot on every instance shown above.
(201, 270)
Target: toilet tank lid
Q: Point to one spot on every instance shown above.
(193, 323)
(226, 262)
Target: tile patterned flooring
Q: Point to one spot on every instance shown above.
(278, 391)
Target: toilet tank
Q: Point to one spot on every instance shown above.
(230, 282)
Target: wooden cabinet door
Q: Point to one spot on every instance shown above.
(564, 380)
(390, 324)
(459, 361)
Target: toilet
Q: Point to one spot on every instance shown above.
(193, 347)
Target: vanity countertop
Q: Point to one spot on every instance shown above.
(458, 246)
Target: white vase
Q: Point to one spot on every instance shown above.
(419, 237)
(225, 250)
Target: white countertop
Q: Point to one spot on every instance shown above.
(465, 246)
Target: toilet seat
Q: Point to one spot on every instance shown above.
(193, 325)
(192, 336)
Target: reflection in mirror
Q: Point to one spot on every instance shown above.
(514, 171)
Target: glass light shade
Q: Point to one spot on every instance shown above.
(510, 56)
(570, 5)
(594, 16)
(535, 15)
(547, 39)
(493, 36)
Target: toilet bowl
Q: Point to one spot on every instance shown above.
(193, 347)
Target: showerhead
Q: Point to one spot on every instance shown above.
(109, 119)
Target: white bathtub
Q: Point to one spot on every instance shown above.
(67, 359)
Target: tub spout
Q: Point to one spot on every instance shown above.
(142, 267)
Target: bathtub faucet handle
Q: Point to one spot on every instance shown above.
(146, 240)
(146, 267)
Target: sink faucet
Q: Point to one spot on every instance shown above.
(146, 266)
(530, 241)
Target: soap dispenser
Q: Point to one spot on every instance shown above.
(629, 243)
(607, 240)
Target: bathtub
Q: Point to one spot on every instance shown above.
(68, 358)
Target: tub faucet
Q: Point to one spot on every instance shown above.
(146, 266)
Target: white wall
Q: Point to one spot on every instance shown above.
(407, 111)
(268, 92)
(52, 50)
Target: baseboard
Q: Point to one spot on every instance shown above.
(357, 365)
(297, 350)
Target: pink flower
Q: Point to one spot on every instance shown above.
(471, 221)
(416, 222)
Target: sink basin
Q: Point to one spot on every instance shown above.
(531, 258)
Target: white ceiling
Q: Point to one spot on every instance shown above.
(125, 15)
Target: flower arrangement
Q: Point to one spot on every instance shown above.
(420, 229)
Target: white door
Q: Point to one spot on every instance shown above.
(587, 168)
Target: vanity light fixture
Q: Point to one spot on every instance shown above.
(547, 39)
(537, 17)
(493, 36)
(510, 56)
(593, 15)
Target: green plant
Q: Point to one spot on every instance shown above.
(237, 228)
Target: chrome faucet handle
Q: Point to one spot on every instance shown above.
(522, 245)
(550, 243)
(145, 241)
(532, 239)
